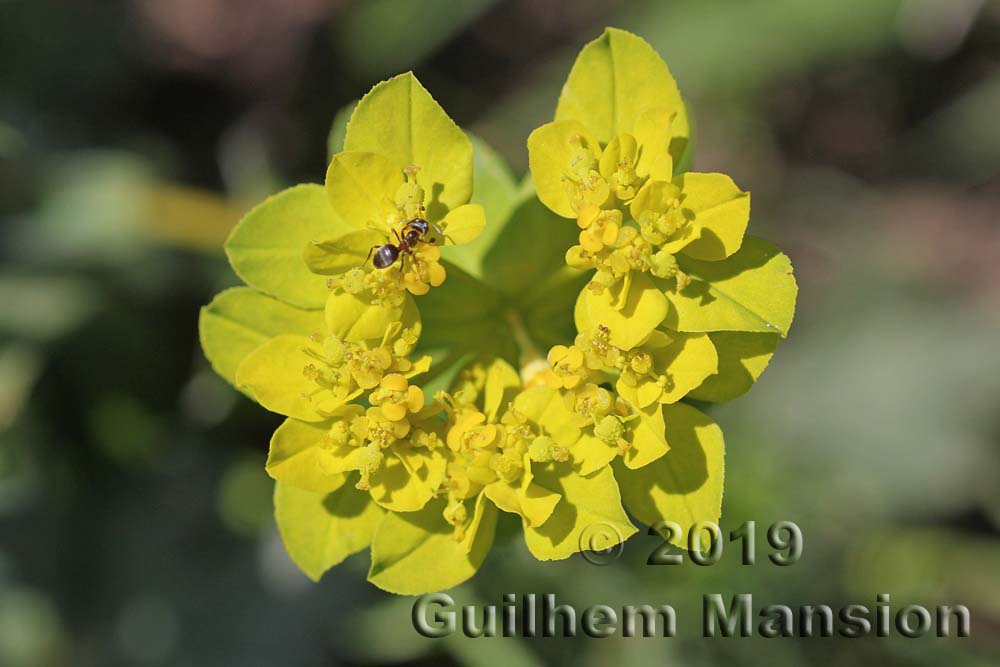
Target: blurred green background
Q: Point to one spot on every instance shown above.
(135, 522)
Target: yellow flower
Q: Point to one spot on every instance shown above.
(611, 431)
(544, 449)
(597, 348)
(423, 270)
(396, 397)
(666, 367)
(566, 367)
(662, 219)
(618, 166)
(368, 366)
(600, 227)
(470, 431)
(584, 186)
(591, 401)
(377, 427)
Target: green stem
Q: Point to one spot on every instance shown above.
(531, 359)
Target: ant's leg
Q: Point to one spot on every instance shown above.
(370, 251)
(416, 265)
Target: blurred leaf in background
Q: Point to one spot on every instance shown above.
(378, 38)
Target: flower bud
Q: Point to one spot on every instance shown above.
(609, 430)
(544, 449)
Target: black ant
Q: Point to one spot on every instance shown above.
(413, 233)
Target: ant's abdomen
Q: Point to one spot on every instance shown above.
(385, 256)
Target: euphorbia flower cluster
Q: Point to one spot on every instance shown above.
(405, 432)
(633, 213)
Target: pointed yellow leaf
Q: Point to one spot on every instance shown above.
(685, 484)
(338, 255)
(721, 210)
(361, 188)
(273, 374)
(589, 516)
(408, 479)
(533, 503)
(615, 79)
(297, 456)
(591, 454)
(752, 290)
(319, 530)
(265, 248)
(654, 131)
(240, 319)
(358, 318)
(630, 322)
(649, 440)
(546, 408)
(550, 157)
(742, 359)
(399, 120)
(461, 225)
(415, 552)
(502, 383)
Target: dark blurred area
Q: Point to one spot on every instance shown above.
(135, 514)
